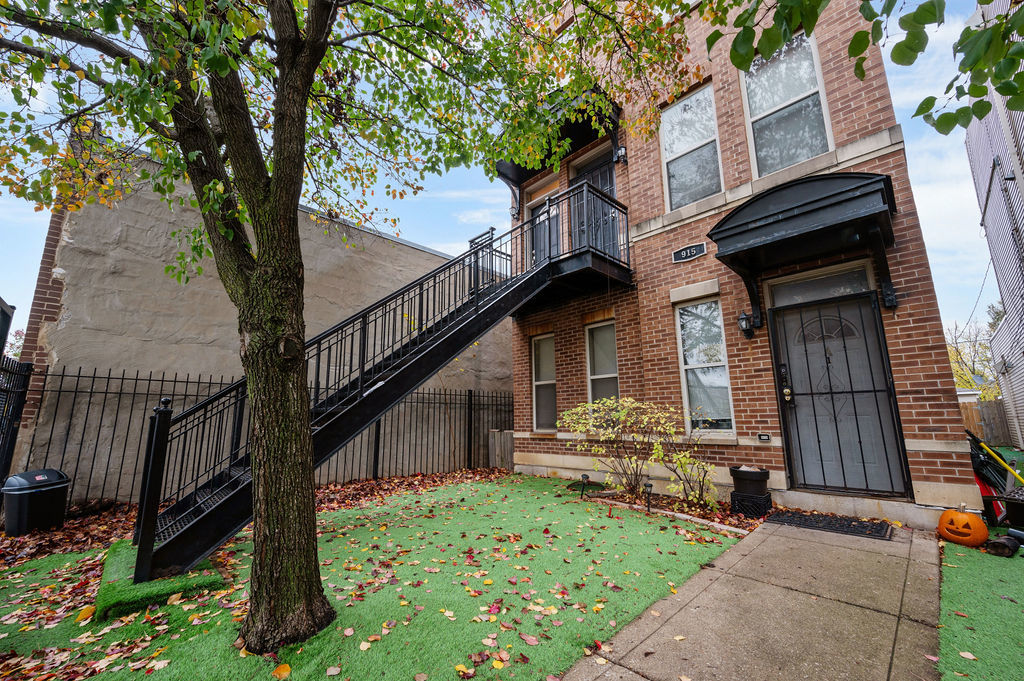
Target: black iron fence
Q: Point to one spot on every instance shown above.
(92, 425)
(14, 379)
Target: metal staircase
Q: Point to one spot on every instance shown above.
(196, 490)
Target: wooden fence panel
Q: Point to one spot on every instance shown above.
(994, 423)
(499, 448)
(972, 418)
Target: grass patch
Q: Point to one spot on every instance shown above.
(427, 579)
(119, 595)
(989, 590)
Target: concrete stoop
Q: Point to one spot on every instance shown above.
(787, 603)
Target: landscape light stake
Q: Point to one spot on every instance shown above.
(583, 487)
(648, 486)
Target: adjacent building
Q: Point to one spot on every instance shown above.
(994, 148)
(762, 268)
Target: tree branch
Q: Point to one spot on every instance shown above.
(72, 34)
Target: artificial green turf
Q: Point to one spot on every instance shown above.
(409, 559)
(990, 591)
(119, 595)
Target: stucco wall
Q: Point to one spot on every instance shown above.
(118, 309)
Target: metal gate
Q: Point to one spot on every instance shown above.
(837, 398)
(14, 377)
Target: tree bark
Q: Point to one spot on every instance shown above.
(287, 601)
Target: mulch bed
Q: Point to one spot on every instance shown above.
(665, 502)
(81, 532)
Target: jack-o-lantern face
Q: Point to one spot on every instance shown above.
(961, 527)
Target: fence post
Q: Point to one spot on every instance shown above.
(237, 424)
(376, 449)
(152, 483)
(469, 429)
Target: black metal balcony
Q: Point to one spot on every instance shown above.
(583, 233)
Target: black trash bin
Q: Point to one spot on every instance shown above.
(35, 500)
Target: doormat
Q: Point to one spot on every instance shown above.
(876, 529)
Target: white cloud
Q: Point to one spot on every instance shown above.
(484, 217)
(933, 70)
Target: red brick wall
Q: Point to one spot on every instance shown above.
(645, 324)
(45, 308)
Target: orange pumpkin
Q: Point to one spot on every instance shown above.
(961, 527)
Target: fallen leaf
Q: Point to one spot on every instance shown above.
(498, 664)
(679, 638)
(961, 614)
(967, 656)
(333, 671)
(282, 672)
(350, 631)
(932, 658)
(420, 677)
(684, 678)
(174, 599)
(530, 640)
(86, 613)
(601, 660)
(364, 645)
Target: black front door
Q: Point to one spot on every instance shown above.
(595, 223)
(836, 396)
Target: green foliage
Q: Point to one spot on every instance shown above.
(692, 475)
(625, 435)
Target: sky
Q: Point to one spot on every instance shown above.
(462, 203)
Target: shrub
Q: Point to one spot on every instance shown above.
(625, 435)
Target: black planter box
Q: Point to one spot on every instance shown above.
(750, 483)
(751, 505)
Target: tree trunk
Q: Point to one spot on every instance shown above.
(287, 601)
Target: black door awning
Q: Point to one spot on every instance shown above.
(809, 218)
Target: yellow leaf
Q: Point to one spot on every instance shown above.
(175, 598)
(85, 613)
(282, 672)
(81, 74)
(498, 664)
(63, 63)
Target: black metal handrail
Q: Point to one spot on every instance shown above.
(208, 442)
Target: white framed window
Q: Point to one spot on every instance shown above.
(703, 368)
(545, 412)
(787, 117)
(689, 149)
(602, 362)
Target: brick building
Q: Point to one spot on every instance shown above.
(777, 200)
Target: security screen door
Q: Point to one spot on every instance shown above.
(595, 223)
(836, 396)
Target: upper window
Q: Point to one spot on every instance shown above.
(704, 372)
(602, 363)
(545, 413)
(787, 118)
(689, 146)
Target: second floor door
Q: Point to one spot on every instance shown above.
(594, 222)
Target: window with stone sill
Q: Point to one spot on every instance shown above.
(689, 147)
(602, 362)
(707, 395)
(545, 412)
(785, 107)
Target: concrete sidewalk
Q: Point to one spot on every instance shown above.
(786, 604)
